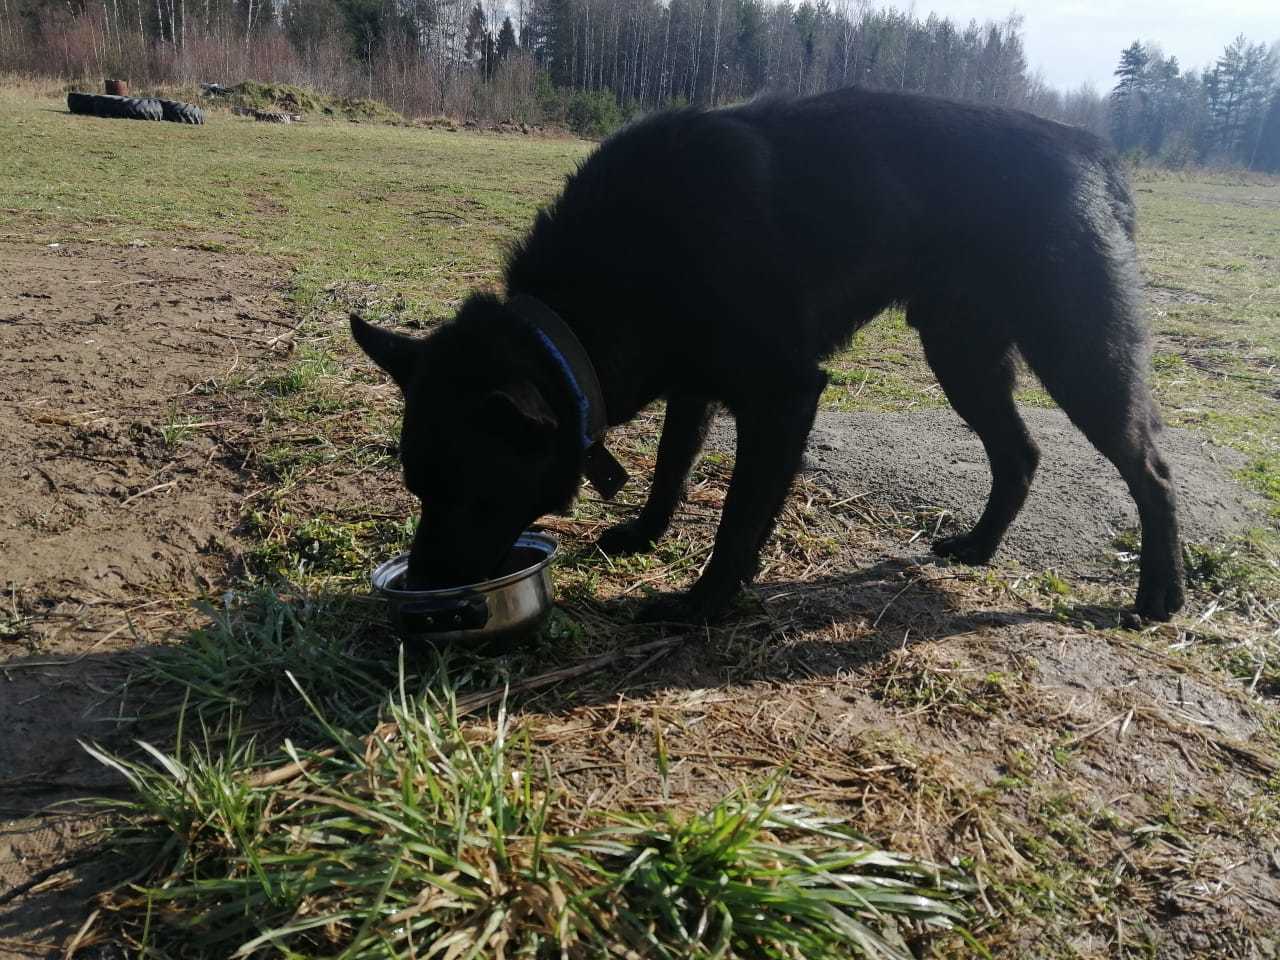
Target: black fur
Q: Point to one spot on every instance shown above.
(716, 257)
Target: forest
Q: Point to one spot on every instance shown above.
(591, 64)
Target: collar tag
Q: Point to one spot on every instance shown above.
(603, 471)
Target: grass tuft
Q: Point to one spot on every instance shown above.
(258, 646)
(423, 838)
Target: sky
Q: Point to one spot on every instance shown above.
(1079, 41)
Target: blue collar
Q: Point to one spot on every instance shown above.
(600, 467)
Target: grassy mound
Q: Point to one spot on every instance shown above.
(293, 99)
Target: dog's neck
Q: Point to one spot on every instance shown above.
(571, 358)
(600, 467)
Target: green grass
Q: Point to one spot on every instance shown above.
(177, 429)
(420, 837)
(400, 219)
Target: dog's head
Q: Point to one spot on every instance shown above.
(482, 447)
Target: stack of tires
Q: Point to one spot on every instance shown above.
(133, 108)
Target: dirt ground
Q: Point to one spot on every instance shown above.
(116, 485)
(122, 484)
(929, 460)
(123, 474)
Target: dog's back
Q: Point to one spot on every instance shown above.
(841, 204)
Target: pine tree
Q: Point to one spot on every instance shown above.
(751, 51)
(1227, 89)
(1129, 95)
(506, 40)
(476, 29)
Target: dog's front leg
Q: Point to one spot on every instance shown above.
(771, 438)
(684, 429)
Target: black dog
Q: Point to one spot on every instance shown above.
(716, 257)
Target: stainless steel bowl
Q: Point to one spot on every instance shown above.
(500, 610)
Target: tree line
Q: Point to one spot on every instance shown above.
(593, 63)
(1226, 114)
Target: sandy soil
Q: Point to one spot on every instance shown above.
(1078, 502)
(930, 460)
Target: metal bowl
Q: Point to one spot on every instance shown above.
(510, 606)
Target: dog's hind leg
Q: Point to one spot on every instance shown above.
(772, 429)
(1092, 365)
(975, 366)
(684, 429)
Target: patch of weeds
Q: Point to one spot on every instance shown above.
(1128, 542)
(1168, 361)
(311, 365)
(425, 836)
(1264, 476)
(1062, 756)
(873, 389)
(1058, 815)
(13, 627)
(1221, 569)
(1053, 584)
(294, 99)
(1036, 397)
(177, 430)
(578, 584)
(256, 640)
(915, 685)
(562, 633)
(322, 546)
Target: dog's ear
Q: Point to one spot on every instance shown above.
(393, 352)
(520, 414)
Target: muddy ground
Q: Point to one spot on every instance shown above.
(122, 475)
(114, 484)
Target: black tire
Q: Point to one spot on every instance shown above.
(108, 105)
(142, 108)
(81, 103)
(127, 108)
(176, 111)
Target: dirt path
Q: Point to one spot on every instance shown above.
(121, 489)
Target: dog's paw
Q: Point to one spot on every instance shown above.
(965, 547)
(625, 539)
(1159, 601)
(681, 608)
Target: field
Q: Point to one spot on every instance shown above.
(210, 741)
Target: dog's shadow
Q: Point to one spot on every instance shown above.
(781, 630)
